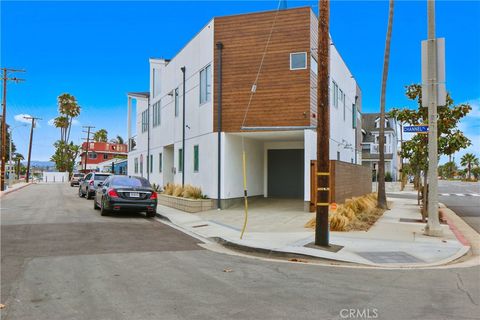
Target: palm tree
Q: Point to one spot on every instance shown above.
(17, 158)
(118, 140)
(101, 136)
(469, 160)
(68, 106)
(382, 197)
(62, 122)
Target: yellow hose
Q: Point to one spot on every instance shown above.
(244, 192)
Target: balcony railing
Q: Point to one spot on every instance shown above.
(374, 148)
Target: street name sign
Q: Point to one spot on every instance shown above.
(416, 129)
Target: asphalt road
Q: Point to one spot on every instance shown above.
(461, 197)
(62, 260)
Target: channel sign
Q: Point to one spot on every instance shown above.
(416, 129)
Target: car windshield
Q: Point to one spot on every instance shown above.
(101, 177)
(130, 182)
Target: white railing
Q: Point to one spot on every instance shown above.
(374, 149)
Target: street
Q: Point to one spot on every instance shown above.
(461, 197)
(62, 260)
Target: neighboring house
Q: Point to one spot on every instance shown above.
(370, 151)
(278, 131)
(99, 152)
(115, 165)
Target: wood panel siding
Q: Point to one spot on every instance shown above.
(283, 96)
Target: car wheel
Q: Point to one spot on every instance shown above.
(103, 211)
(80, 193)
(88, 195)
(95, 205)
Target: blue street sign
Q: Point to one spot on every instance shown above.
(416, 129)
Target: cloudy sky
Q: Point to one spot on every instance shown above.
(98, 51)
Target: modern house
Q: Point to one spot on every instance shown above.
(95, 153)
(273, 119)
(370, 150)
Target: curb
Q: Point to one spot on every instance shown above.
(16, 189)
(463, 232)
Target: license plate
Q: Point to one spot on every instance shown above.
(134, 195)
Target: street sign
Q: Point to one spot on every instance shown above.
(416, 129)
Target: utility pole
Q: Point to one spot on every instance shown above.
(433, 225)
(5, 78)
(88, 144)
(30, 145)
(323, 126)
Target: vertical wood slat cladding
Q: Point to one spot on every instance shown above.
(283, 95)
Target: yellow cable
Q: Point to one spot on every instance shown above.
(244, 190)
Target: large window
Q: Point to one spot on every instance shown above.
(205, 84)
(298, 60)
(335, 94)
(135, 165)
(354, 116)
(141, 165)
(92, 155)
(157, 113)
(180, 160)
(195, 159)
(160, 162)
(177, 103)
(145, 120)
(151, 163)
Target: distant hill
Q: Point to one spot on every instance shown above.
(40, 164)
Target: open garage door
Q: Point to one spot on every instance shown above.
(285, 173)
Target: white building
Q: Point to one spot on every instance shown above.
(278, 129)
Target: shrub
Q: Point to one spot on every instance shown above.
(168, 189)
(177, 191)
(192, 192)
(388, 177)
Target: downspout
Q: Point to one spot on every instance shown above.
(356, 130)
(219, 125)
(183, 128)
(148, 140)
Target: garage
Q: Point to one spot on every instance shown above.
(285, 173)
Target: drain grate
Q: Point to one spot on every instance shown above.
(389, 257)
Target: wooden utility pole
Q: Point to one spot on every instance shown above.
(323, 126)
(88, 144)
(5, 78)
(30, 145)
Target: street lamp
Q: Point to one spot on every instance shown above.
(10, 154)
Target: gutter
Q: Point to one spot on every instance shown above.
(219, 127)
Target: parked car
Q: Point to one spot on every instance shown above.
(90, 182)
(122, 193)
(75, 181)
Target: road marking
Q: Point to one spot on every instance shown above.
(459, 194)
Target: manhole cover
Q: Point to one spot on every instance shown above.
(389, 257)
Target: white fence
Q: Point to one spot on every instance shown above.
(55, 177)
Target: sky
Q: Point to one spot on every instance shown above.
(99, 51)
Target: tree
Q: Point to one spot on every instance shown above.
(62, 123)
(476, 172)
(118, 140)
(450, 138)
(382, 197)
(65, 155)
(469, 160)
(18, 158)
(448, 170)
(68, 107)
(101, 136)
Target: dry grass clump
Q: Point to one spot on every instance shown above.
(358, 213)
(192, 192)
(188, 191)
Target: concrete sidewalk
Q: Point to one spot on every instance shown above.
(14, 187)
(391, 242)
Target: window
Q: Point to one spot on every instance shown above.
(145, 120)
(177, 103)
(135, 165)
(157, 113)
(195, 159)
(141, 165)
(180, 160)
(205, 84)
(151, 163)
(105, 156)
(298, 61)
(354, 116)
(160, 162)
(313, 64)
(335, 94)
(92, 155)
(338, 155)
